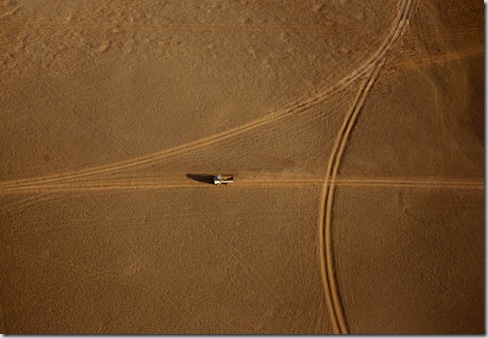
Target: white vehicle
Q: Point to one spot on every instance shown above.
(223, 179)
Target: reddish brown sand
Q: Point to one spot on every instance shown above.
(354, 131)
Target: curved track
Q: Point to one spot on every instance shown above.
(327, 196)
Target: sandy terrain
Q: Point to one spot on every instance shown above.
(355, 131)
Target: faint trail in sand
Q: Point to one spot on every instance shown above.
(327, 196)
(296, 108)
(378, 182)
(449, 56)
(168, 27)
(162, 183)
(22, 203)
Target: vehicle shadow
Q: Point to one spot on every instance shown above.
(204, 178)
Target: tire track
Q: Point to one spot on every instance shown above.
(379, 182)
(158, 184)
(415, 63)
(181, 27)
(412, 183)
(296, 108)
(328, 273)
(23, 203)
(325, 236)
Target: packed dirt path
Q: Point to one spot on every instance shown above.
(354, 130)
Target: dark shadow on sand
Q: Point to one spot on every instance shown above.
(204, 178)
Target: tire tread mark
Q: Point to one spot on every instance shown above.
(157, 184)
(327, 195)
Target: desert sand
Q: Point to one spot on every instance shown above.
(354, 131)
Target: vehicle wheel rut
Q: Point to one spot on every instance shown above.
(327, 196)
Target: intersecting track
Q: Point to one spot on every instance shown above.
(296, 108)
(327, 196)
(200, 143)
(370, 70)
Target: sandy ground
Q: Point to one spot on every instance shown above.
(355, 131)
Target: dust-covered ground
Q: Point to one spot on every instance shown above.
(354, 131)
